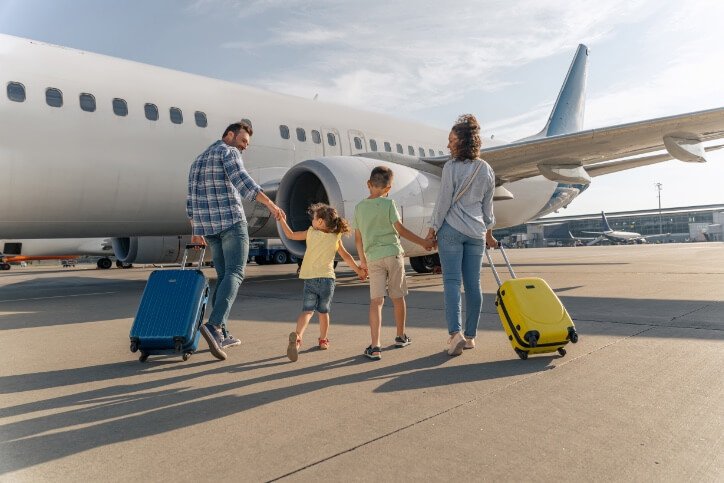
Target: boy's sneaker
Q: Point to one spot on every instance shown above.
(402, 341)
(323, 344)
(457, 342)
(214, 338)
(374, 353)
(230, 341)
(293, 347)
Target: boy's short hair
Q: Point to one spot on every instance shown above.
(381, 177)
(237, 127)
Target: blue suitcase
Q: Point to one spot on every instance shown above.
(171, 312)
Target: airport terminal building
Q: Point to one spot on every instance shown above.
(681, 224)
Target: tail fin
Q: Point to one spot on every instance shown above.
(604, 222)
(567, 114)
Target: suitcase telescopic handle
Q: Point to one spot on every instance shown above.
(191, 246)
(492, 265)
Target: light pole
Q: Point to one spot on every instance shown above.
(659, 187)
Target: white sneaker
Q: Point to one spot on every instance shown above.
(457, 342)
(469, 343)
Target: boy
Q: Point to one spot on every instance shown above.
(377, 231)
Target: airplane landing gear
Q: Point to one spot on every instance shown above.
(4, 266)
(120, 264)
(104, 263)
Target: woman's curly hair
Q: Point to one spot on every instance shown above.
(467, 131)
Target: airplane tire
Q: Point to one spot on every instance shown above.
(425, 263)
(4, 266)
(104, 263)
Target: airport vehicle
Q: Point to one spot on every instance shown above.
(270, 250)
(617, 236)
(533, 317)
(171, 312)
(303, 151)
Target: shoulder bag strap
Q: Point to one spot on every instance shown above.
(469, 181)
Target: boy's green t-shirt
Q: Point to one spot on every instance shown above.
(375, 219)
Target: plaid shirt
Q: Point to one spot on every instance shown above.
(217, 182)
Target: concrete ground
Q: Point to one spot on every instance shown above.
(639, 398)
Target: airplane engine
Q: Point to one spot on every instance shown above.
(341, 181)
(150, 249)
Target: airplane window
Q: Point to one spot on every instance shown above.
(151, 112)
(357, 143)
(399, 148)
(388, 147)
(53, 97)
(177, 116)
(284, 131)
(422, 152)
(432, 152)
(120, 108)
(373, 144)
(87, 102)
(316, 137)
(301, 135)
(16, 92)
(200, 119)
(331, 139)
(411, 150)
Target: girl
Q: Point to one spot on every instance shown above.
(323, 243)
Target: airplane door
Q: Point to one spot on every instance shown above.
(357, 142)
(331, 142)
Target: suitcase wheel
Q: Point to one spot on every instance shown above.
(522, 354)
(177, 346)
(572, 335)
(134, 346)
(143, 357)
(561, 351)
(186, 355)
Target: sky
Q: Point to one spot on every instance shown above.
(430, 61)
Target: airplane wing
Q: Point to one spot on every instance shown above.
(616, 166)
(679, 135)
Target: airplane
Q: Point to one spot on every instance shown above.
(16, 251)
(121, 136)
(616, 236)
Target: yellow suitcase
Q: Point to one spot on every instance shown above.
(532, 315)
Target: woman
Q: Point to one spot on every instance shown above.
(461, 221)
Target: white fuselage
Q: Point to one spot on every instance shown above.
(65, 172)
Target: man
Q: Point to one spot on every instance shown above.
(217, 184)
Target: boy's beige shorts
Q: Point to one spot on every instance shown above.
(389, 273)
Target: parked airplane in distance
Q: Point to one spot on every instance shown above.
(115, 163)
(617, 236)
(16, 251)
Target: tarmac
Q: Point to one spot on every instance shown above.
(638, 398)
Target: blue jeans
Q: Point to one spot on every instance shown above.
(229, 250)
(461, 258)
(318, 294)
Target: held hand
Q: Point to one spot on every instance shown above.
(429, 244)
(198, 240)
(361, 273)
(431, 234)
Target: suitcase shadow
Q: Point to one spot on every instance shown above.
(446, 376)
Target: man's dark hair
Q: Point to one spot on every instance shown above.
(237, 127)
(381, 177)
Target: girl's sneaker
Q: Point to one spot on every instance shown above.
(402, 341)
(323, 344)
(469, 343)
(374, 353)
(293, 348)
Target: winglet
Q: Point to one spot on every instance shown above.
(604, 222)
(567, 114)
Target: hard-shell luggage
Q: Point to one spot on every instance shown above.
(171, 311)
(533, 316)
